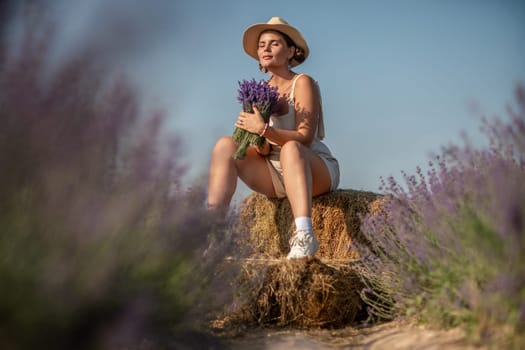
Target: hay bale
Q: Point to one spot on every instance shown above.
(300, 293)
(268, 223)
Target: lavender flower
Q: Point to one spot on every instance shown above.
(462, 220)
(97, 228)
(264, 97)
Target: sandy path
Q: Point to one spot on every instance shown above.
(389, 336)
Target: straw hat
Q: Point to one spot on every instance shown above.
(252, 33)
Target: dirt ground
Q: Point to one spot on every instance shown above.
(396, 335)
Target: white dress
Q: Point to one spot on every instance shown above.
(287, 122)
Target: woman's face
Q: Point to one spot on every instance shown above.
(273, 50)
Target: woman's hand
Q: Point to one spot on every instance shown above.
(251, 122)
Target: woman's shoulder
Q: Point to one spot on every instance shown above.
(304, 81)
(304, 78)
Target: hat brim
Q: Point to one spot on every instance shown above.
(251, 37)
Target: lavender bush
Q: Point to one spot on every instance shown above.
(100, 244)
(264, 97)
(449, 245)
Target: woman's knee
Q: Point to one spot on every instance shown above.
(291, 149)
(224, 146)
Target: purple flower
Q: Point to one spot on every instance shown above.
(264, 97)
(260, 94)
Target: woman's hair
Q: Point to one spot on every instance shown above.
(298, 54)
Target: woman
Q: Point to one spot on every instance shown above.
(293, 162)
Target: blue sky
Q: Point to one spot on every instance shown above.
(399, 78)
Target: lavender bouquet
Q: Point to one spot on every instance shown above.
(264, 97)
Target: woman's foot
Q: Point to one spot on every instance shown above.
(303, 244)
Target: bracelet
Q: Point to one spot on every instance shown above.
(264, 130)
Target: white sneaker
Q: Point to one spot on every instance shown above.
(302, 245)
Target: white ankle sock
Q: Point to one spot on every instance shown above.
(304, 223)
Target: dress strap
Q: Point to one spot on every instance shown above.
(293, 86)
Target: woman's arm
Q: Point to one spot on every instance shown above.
(263, 150)
(307, 105)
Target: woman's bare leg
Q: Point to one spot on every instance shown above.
(224, 171)
(222, 180)
(305, 175)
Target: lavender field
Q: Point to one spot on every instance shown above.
(448, 247)
(103, 246)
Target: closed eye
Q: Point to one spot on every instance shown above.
(273, 43)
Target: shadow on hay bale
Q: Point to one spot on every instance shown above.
(300, 293)
(268, 223)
